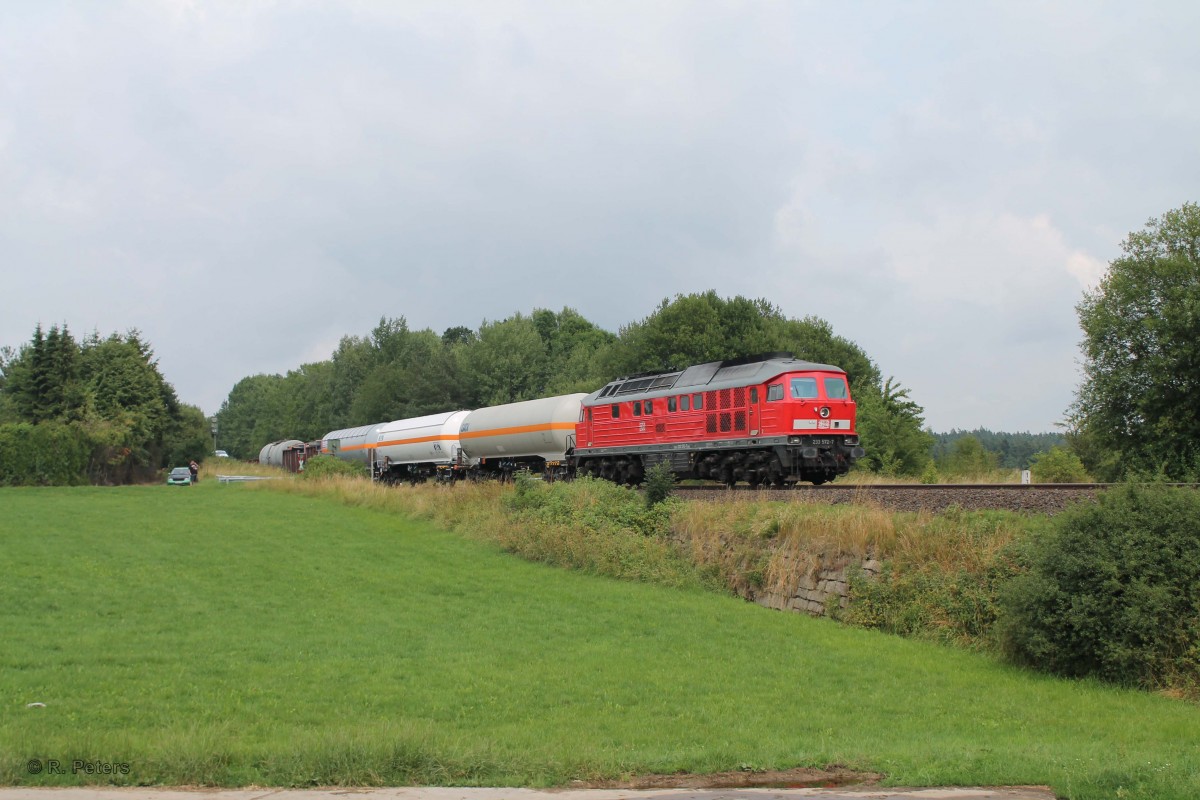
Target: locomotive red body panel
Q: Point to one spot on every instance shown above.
(768, 419)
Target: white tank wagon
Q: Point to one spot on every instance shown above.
(351, 444)
(272, 454)
(534, 434)
(412, 449)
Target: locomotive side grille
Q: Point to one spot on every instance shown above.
(710, 401)
(739, 397)
(660, 427)
(739, 420)
(726, 398)
(710, 423)
(725, 420)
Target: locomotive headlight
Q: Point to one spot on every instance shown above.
(824, 412)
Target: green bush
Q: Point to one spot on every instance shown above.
(529, 492)
(590, 504)
(328, 466)
(1058, 465)
(660, 483)
(49, 454)
(1113, 591)
(950, 593)
(968, 458)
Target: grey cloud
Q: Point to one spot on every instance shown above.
(278, 174)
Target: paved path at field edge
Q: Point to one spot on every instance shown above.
(444, 793)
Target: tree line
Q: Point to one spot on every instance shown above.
(95, 410)
(99, 410)
(395, 372)
(982, 450)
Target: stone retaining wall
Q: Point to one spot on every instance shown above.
(821, 590)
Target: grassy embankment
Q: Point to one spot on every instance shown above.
(942, 571)
(228, 635)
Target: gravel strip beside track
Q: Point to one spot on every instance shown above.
(1014, 497)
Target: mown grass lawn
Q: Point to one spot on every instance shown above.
(221, 635)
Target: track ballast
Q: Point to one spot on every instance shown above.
(1041, 498)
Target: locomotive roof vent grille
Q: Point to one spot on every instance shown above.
(648, 384)
(629, 387)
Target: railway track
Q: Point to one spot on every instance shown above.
(1043, 498)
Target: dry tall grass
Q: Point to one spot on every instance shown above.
(770, 546)
(213, 467)
(460, 507)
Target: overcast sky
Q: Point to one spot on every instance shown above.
(246, 182)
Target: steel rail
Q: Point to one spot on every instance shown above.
(844, 487)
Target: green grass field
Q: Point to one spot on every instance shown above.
(222, 635)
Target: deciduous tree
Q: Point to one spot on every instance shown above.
(1137, 405)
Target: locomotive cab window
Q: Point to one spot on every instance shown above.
(835, 388)
(589, 415)
(616, 409)
(637, 408)
(804, 388)
(774, 392)
(647, 407)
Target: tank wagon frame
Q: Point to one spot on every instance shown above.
(421, 448)
(536, 435)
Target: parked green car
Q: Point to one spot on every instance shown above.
(180, 476)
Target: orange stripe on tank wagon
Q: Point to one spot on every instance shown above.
(549, 426)
(417, 440)
(390, 442)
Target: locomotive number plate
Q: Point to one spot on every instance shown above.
(822, 442)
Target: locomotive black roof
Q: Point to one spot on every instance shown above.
(705, 377)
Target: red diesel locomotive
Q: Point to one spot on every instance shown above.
(768, 419)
